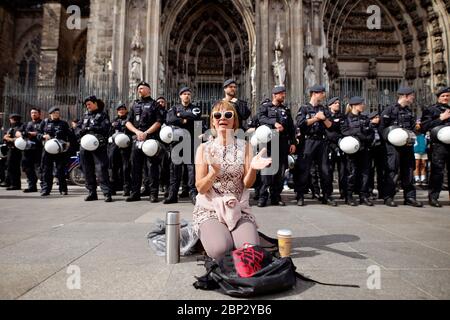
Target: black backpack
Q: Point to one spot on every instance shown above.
(252, 271)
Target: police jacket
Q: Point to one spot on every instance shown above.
(58, 129)
(316, 130)
(358, 126)
(144, 113)
(18, 126)
(269, 114)
(334, 133)
(178, 113)
(397, 116)
(32, 126)
(118, 125)
(96, 122)
(431, 117)
(242, 109)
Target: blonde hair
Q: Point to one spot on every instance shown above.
(219, 105)
(348, 109)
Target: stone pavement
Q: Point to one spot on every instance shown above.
(41, 240)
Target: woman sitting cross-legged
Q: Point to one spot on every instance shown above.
(225, 169)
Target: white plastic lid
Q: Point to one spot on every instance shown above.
(284, 232)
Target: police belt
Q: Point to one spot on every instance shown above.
(315, 136)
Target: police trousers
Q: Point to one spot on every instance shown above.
(95, 166)
(401, 162)
(47, 164)
(138, 160)
(119, 163)
(313, 152)
(13, 167)
(31, 165)
(440, 157)
(358, 173)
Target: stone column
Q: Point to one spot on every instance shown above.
(263, 49)
(152, 44)
(296, 62)
(51, 21)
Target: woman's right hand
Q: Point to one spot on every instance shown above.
(213, 162)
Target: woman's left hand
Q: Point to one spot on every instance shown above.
(258, 162)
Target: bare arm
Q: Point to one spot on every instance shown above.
(249, 173)
(204, 178)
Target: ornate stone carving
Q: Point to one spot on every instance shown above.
(425, 67)
(310, 74)
(135, 65)
(279, 68)
(372, 73)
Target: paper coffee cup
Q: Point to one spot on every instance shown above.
(284, 242)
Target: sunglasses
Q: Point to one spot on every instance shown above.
(225, 114)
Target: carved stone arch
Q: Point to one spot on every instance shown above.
(201, 47)
(31, 34)
(27, 56)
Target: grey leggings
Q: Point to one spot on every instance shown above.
(217, 239)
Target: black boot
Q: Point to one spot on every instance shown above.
(91, 197)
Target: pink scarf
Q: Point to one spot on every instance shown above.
(228, 208)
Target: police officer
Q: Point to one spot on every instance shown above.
(95, 163)
(377, 157)
(119, 158)
(277, 116)
(53, 128)
(399, 158)
(336, 156)
(230, 89)
(14, 155)
(357, 125)
(185, 116)
(165, 154)
(434, 117)
(144, 122)
(31, 160)
(313, 119)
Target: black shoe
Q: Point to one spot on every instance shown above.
(352, 202)
(261, 203)
(4, 185)
(184, 194)
(330, 202)
(12, 188)
(91, 197)
(170, 200)
(145, 193)
(166, 194)
(133, 198)
(300, 202)
(63, 193)
(413, 202)
(435, 203)
(390, 202)
(108, 198)
(366, 201)
(153, 198)
(45, 194)
(278, 203)
(28, 190)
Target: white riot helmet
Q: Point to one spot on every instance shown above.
(263, 134)
(122, 140)
(21, 144)
(166, 134)
(89, 142)
(254, 140)
(291, 162)
(349, 145)
(150, 147)
(400, 137)
(443, 134)
(55, 146)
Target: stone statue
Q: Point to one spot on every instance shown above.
(279, 68)
(135, 69)
(253, 73)
(161, 76)
(325, 80)
(310, 74)
(372, 73)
